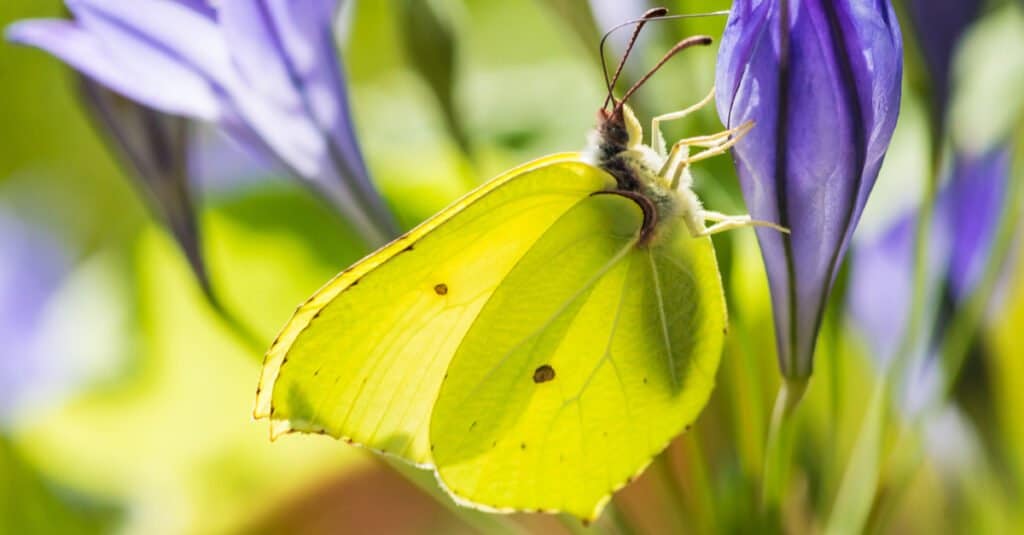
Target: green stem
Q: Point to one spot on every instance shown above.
(856, 496)
(777, 456)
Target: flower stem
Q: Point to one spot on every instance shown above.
(778, 448)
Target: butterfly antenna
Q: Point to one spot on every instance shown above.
(639, 25)
(696, 40)
(658, 13)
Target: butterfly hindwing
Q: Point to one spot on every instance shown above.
(363, 359)
(590, 356)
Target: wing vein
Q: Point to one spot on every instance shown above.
(664, 322)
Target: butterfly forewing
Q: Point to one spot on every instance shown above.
(364, 358)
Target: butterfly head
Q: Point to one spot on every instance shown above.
(613, 142)
(618, 129)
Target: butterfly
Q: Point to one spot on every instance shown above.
(536, 343)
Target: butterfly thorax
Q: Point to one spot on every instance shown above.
(616, 146)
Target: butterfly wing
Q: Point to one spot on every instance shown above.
(592, 354)
(364, 357)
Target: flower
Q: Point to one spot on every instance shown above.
(961, 241)
(266, 71)
(821, 81)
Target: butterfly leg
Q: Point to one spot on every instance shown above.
(658, 141)
(679, 158)
(724, 222)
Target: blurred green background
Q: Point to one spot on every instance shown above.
(140, 420)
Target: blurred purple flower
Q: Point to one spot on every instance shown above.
(821, 81)
(32, 267)
(939, 24)
(266, 71)
(880, 288)
(972, 205)
(960, 247)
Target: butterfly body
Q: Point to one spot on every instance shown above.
(616, 146)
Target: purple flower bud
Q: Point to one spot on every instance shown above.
(821, 81)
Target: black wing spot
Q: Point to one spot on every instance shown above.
(441, 289)
(543, 374)
(472, 425)
(522, 445)
(645, 380)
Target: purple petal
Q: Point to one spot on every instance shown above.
(286, 54)
(178, 89)
(202, 7)
(821, 81)
(151, 36)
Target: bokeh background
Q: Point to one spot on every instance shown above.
(125, 398)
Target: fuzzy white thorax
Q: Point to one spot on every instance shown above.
(649, 166)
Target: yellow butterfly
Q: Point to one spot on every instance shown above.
(537, 342)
